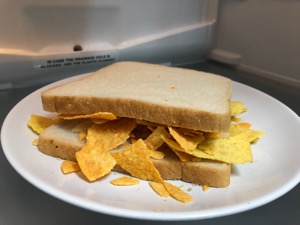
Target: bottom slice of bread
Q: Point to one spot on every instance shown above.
(59, 141)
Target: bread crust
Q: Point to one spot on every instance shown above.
(161, 114)
(189, 103)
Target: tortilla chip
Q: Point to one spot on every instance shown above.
(39, 123)
(156, 154)
(237, 108)
(125, 181)
(212, 135)
(240, 128)
(35, 142)
(232, 150)
(154, 140)
(172, 144)
(189, 132)
(95, 159)
(136, 161)
(69, 166)
(185, 141)
(205, 187)
(235, 119)
(159, 188)
(177, 193)
(245, 125)
(183, 157)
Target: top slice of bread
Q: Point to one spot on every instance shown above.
(166, 95)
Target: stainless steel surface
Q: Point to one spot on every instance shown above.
(22, 203)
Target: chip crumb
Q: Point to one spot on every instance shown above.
(35, 142)
(68, 166)
(237, 108)
(125, 181)
(205, 187)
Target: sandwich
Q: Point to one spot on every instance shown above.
(183, 116)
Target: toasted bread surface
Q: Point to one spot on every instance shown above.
(166, 95)
(59, 141)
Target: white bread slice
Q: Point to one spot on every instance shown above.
(59, 141)
(166, 95)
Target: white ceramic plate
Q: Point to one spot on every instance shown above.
(275, 170)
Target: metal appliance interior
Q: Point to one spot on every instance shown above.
(45, 41)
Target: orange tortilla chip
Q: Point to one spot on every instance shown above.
(159, 188)
(172, 144)
(235, 119)
(178, 150)
(184, 157)
(185, 141)
(189, 132)
(177, 193)
(124, 181)
(205, 187)
(245, 125)
(136, 161)
(39, 123)
(156, 154)
(154, 140)
(212, 135)
(95, 159)
(69, 166)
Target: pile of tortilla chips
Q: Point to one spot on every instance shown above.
(104, 132)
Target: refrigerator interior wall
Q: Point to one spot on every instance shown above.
(42, 38)
(261, 37)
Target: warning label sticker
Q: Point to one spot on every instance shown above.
(56, 61)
